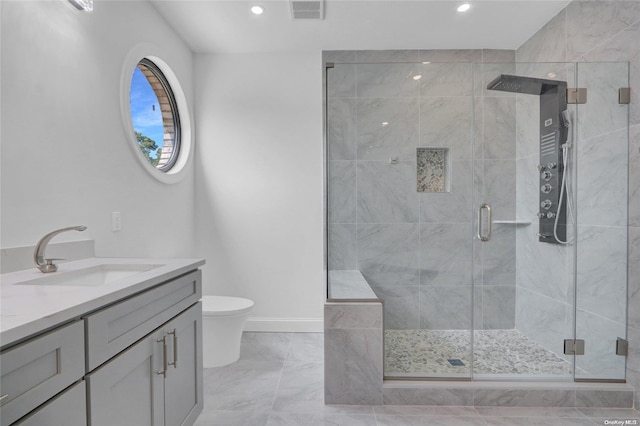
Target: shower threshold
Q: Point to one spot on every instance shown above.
(507, 394)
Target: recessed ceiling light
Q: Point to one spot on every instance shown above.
(464, 7)
(552, 75)
(417, 77)
(257, 10)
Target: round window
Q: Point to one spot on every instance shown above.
(154, 115)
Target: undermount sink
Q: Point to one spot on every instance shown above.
(92, 276)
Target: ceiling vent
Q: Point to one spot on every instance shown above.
(307, 9)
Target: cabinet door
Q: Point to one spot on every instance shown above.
(183, 385)
(35, 371)
(70, 408)
(128, 391)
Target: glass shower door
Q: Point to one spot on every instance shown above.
(445, 176)
(602, 151)
(523, 282)
(551, 300)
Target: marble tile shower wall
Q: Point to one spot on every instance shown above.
(495, 166)
(597, 31)
(414, 248)
(544, 285)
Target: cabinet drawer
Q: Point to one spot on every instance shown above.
(69, 408)
(40, 368)
(117, 327)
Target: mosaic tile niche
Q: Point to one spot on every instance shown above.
(433, 170)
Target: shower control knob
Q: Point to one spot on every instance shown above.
(551, 215)
(552, 165)
(546, 204)
(546, 188)
(546, 175)
(540, 167)
(541, 215)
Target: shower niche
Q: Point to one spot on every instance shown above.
(433, 170)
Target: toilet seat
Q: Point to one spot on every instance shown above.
(217, 306)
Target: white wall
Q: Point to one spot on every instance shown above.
(259, 187)
(65, 159)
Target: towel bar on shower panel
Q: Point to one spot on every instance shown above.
(512, 222)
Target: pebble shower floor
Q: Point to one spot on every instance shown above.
(496, 352)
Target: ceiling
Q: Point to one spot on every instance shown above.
(228, 26)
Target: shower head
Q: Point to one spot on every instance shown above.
(554, 122)
(528, 85)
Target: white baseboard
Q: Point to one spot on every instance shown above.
(285, 325)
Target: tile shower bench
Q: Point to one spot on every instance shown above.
(353, 341)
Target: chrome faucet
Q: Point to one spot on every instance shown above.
(47, 265)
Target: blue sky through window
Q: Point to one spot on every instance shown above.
(145, 109)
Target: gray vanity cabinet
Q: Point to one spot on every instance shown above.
(136, 361)
(128, 389)
(111, 330)
(69, 408)
(35, 371)
(183, 384)
(157, 381)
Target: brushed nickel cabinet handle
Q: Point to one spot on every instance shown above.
(174, 333)
(164, 356)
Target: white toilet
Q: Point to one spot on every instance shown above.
(223, 319)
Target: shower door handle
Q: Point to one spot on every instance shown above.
(484, 238)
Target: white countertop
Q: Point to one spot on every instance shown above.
(29, 309)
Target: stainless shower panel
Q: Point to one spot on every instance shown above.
(553, 134)
(526, 85)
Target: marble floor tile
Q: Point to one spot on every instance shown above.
(232, 418)
(243, 385)
(301, 388)
(429, 420)
(272, 384)
(265, 346)
(539, 421)
(306, 347)
(298, 419)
